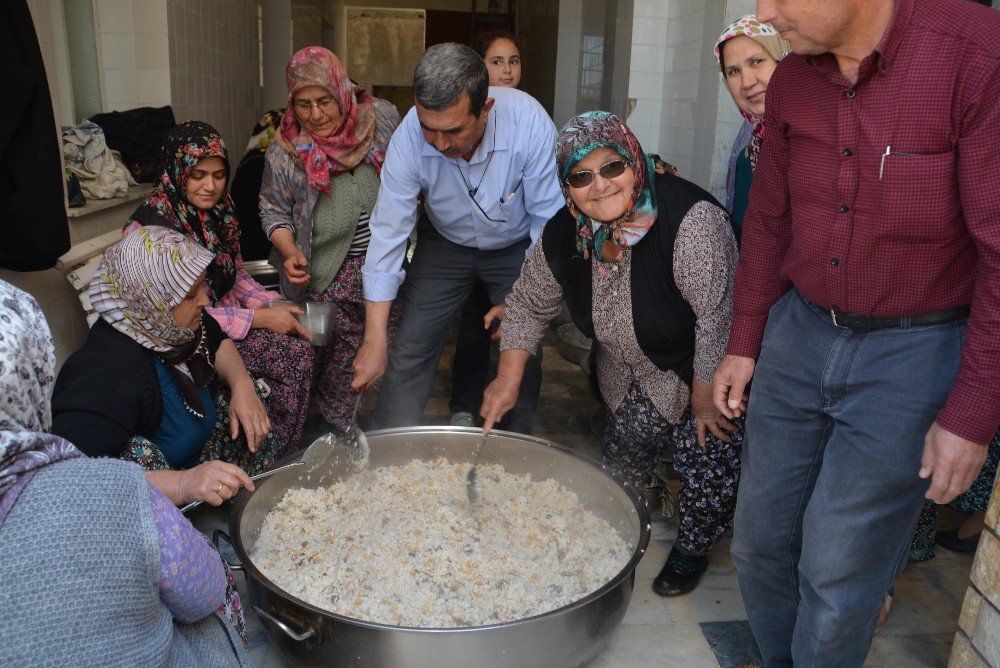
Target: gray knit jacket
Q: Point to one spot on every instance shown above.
(79, 567)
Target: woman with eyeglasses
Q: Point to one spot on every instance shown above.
(645, 264)
(321, 179)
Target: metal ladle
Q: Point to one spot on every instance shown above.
(473, 488)
(322, 447)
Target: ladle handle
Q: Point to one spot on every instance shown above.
(216, 535)
(479, 450)
(255, 478)
(288, 630)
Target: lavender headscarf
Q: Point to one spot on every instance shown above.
(27, 372)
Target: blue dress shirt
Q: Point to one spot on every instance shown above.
(518, 187)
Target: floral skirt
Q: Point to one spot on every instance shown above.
(335, 361)
(286, 364)
(636, 437)
(975, 500)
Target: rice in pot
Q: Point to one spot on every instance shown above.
(398, 545)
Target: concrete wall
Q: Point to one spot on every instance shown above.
(538, 30)
(277, 51)
(383, 45)
(567, 83)
(307, 24)
(977, 642)
(593, 57)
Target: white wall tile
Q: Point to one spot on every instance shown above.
(152, 51)
(681, 86)
(153, 87)
(647, 32)
(117, 51)
(646, 85)
(120, 88)
(150, 17)
(114, 16)
(651, 9)
(645, 113)
(645, 134)
(647, 58)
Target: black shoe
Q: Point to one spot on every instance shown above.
(680, 574)
(950, 541)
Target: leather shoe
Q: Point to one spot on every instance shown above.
(950, 541)
(680, 574)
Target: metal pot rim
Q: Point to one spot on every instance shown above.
(637, 500)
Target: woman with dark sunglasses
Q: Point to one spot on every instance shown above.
(645, 263)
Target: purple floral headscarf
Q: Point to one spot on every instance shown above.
(27, 372)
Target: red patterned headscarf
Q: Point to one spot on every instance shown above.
(351, 142)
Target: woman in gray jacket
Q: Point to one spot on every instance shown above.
(98, 567)
(321, 179)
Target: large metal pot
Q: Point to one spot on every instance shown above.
(568, 636)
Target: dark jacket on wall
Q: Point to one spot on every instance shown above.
(33, 227)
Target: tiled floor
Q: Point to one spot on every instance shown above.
(707, 627)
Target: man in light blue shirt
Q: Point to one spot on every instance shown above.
(483, 160)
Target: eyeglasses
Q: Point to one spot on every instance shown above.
(585, 177)
(305, 106)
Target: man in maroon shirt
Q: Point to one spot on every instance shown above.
(866, 308)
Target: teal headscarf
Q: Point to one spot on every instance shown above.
(581, 136)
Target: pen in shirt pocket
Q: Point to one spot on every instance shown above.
(512, 195)
(888, 152)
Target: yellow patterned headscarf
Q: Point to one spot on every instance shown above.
(141, 279)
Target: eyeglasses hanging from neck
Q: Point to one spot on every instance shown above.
(473, 190)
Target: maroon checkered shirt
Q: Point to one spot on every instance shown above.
(882, 197)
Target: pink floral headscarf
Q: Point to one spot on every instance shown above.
(775, 46)
(351, 142)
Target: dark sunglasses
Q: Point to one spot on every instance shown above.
(585, 177)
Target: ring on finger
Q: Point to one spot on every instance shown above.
(218, 490)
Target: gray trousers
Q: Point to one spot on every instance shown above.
(439, 280)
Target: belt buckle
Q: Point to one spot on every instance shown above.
(833, 317)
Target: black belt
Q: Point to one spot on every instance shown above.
(868, 322)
